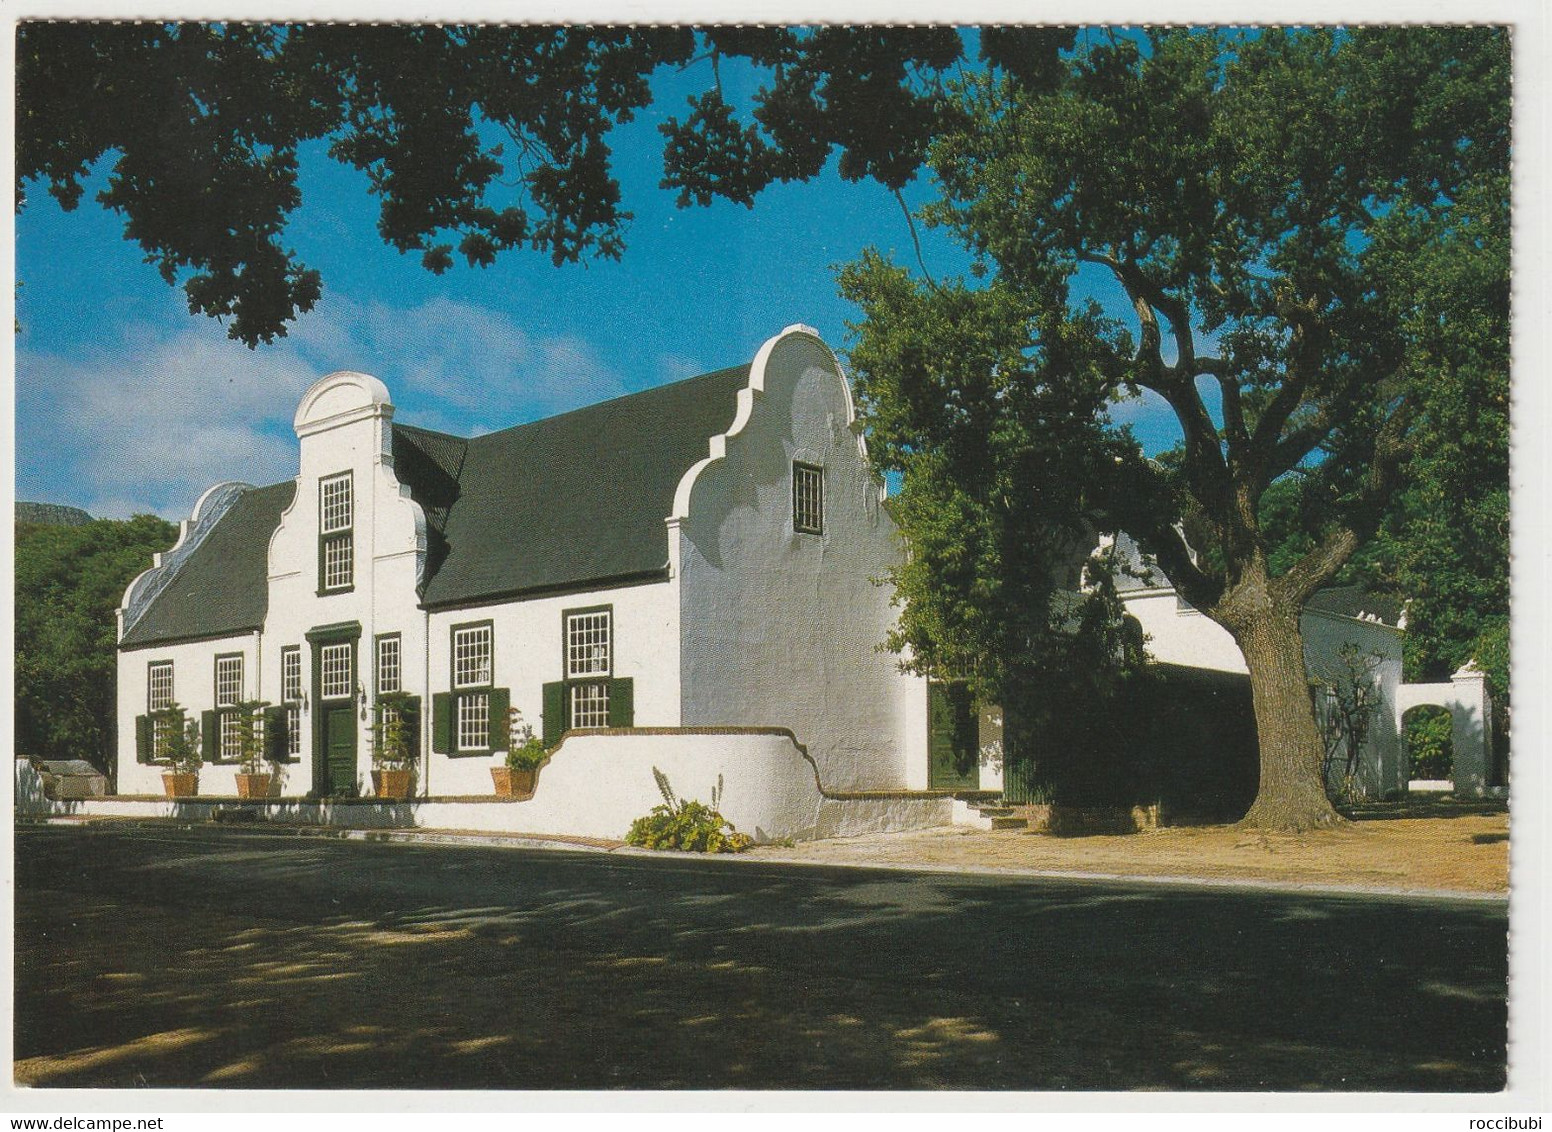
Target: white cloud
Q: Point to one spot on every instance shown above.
(147, 422)
(471, 368)
(150, 422)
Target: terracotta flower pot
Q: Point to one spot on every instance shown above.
(518, 784)
(253, 785)
(181, 785)
(392, 783)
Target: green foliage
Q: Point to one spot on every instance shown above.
(204, 123)
(680, 823)
(525, 751)
(1430, 743)
(181, 739)
(69, 582)
(252, 751)
(392, 735)
(1095, 687)
(1001, 450)
(1312, 222)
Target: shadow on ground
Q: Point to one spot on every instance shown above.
(1424, 806)
(254, 961)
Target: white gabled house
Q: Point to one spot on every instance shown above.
(681, 578)
(699, 555)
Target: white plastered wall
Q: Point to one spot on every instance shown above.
(527, 654)
(344, 423)
(781, 628)
(193, 689)
(1382, 771)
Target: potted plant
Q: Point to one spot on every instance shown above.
(253, 778)
(181, 747)
(393, 751)
(525, 755)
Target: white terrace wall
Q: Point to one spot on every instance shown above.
(595, 784)
(782, 628)
(528, 652)
(194, 689)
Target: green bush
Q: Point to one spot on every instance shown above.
(1429, 742)
(524, 750)
(680, 823)
(182, 739)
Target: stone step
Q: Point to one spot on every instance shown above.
(994, 811)
(1010, 822)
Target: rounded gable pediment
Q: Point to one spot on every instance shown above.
(342, 394)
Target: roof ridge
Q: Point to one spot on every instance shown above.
(611, 402)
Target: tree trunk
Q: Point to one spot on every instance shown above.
(1292, 793)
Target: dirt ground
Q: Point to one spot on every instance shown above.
(1466, 852)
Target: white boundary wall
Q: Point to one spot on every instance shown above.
(594, 785)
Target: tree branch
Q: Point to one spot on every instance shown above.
(1308, 338)
(910, 222)
(1205, 467)
(1391, 447)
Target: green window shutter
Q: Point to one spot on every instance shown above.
(442, 722)
(209, 737)
(622, 702)
(554, 717)
(500, 701)
(410, 710)
(276, 734)
(143, 738)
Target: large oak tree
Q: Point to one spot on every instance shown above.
(1311, 231)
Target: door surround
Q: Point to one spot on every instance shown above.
(343, 632)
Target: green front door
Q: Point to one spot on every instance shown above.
(339, 726)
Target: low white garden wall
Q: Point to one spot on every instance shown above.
(594, 785)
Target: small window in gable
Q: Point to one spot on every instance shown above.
(807, 499)
(336, 535)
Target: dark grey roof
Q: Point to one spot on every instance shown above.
(1355, 601)
(562, 503)
(581, 497)
(1344, 601)
(223, 587)
(1134, 570)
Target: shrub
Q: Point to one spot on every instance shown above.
(681, 823)
(182, 739)
(392, 735)
(1430, 742)
(524, 750)
(252, 753)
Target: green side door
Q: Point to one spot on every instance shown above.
(953, 739)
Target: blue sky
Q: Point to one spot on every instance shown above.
(127, 403)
